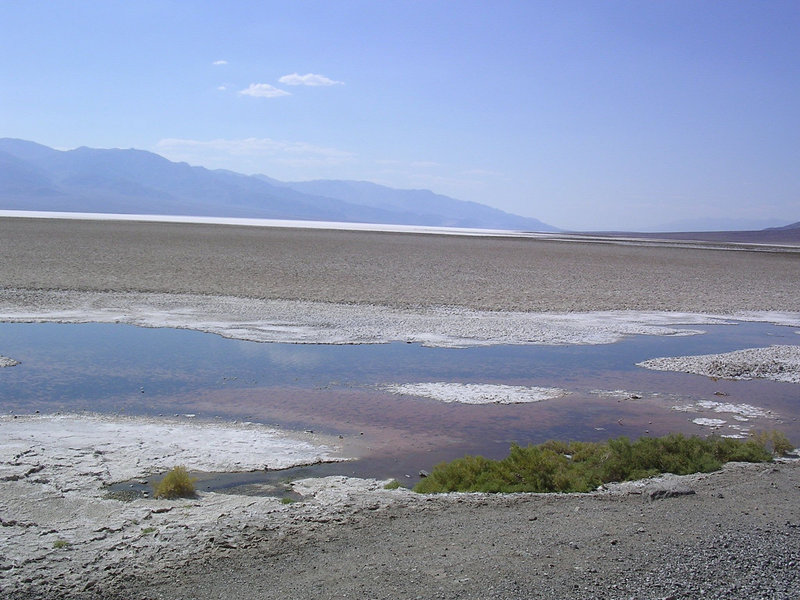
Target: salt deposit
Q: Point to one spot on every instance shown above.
(709, 422)
(472, 393)
(328, 323)
(76, 451)
(57, 524)
(5, 361)
(740, 412)
(779, 363)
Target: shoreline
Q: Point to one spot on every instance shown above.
(160, 549)
(306, 322)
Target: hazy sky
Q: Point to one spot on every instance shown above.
(587, 115)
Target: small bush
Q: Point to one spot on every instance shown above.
(582, 466)
(148, 530)
(287, 500)
(176, 484)
(392, 485)
(59, 544)
(773, 441)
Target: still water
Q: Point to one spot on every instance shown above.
(337, 390)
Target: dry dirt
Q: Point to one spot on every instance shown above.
(391, 269)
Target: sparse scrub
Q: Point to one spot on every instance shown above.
(392, 485)
(288, 500)
(557, 466)
(148, 530)
(774, 441)
(176, 484)
(60, 544)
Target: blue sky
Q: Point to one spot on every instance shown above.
(587, 115)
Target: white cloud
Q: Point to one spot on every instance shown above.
(310, 79)
(253, 155)
(222, 88)
(264, 90)
(220, 62)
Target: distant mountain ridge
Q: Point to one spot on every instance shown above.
(36, 177)
(786, 227)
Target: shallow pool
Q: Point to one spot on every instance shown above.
(339, 389)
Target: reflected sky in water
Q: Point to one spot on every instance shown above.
(336, 389)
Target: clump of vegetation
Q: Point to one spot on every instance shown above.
(558, 466)
(149, 530)
(392, 485)
(59, 544)
(288, 500)
(774, 441)
(176, 484)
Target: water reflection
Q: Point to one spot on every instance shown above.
(337, 389)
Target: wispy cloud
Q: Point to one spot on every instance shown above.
(264, 90)
(310, 79)
(252, 154)
(219, 62)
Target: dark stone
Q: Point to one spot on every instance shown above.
(667, 489)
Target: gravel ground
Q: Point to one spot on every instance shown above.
(391, 269)
(738, 536)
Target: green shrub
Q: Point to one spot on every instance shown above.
(556, 466)
(59, 544)
(176, 484)
(773, 441)
(392, 485)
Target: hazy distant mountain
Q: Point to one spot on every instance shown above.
(35, 177)
(425, 206)
(787, 227)
(718, 224)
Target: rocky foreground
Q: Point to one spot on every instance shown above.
(731, 534)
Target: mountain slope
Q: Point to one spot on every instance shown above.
(35, 177)
(791, 226)
(428, 205)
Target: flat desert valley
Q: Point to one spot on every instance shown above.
(734, 533)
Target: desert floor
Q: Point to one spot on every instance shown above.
(737, 536)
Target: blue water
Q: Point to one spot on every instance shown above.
(336, 389)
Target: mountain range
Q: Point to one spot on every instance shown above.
(36, 177)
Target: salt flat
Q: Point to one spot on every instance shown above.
(338, 286)
(391, 269)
